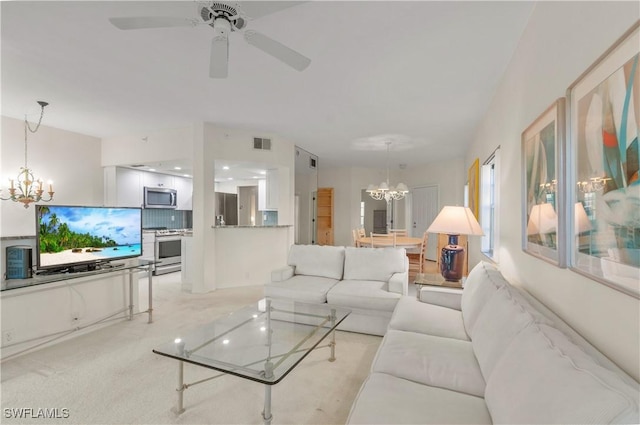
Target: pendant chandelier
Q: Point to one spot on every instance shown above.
(26, 188)
(386, 192)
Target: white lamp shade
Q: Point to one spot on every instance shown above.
(371, 188)
(455, 221)
(582, 223)
(383, 186)
(542, 220)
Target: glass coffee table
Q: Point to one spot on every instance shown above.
(261, 342)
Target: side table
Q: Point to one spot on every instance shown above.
(433, 279)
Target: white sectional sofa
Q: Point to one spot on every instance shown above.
(368, 281)
(489, 354)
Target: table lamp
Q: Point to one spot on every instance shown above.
(454, 221)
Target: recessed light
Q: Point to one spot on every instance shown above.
(225, 341)
(230, 178)
(263, 172)
(225, 167)
(152, 169)
(186, 175)
(177, 168)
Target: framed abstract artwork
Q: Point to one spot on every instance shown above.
(542, 180)
(474, 187)
(604, 196)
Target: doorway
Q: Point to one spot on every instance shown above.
(425, 206)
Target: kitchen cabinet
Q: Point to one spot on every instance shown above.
(129, 188)
(157, 180)
(268, 194)
(148, 245)
(184, 186)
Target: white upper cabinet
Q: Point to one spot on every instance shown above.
(158, 180)
(184, 186)
(268, 192)
(128, 188)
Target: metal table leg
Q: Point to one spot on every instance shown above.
(130, 295)
(150, 294)
(266, 413)
(333, 336)
(180, 389)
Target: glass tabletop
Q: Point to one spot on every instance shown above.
(262, 342)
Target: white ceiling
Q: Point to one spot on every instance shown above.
(422, 72)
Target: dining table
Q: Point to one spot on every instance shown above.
(401, 242)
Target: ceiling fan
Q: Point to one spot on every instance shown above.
(224, 18)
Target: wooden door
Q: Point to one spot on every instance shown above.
(443, 239)
(325, 216)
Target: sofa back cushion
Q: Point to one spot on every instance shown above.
(483, 281)
(317, 260)
(504, 316)
(373, 263)
(544, 378)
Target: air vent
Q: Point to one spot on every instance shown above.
(313, 162)
(260, 143)
(138, 165)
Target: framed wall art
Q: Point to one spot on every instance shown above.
(604, 198)
(474, 187)
(542, 180)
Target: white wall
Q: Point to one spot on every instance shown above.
(561, 41)
(212, 143)
(349, 182)
(71, 160)
(160, 145)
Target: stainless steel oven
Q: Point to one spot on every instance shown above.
(168, 252)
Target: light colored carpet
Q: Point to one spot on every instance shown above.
(110, 376)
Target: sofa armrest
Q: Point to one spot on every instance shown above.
(281, 274)
(444, 297)
(399, 282)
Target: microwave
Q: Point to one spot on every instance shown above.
(159, 197)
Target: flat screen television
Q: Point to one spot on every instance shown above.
(77, 238)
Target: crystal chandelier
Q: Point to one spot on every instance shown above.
(386, 192)
(26, 188)
(594, 184)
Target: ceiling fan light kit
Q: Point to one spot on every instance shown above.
(224, 18)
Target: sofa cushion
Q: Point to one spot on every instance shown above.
(311, 289)
(317, 260)
(544, 378)
(415, 316)
(504, 316)
(431, 360)
(373, 263)
(386, 399)
(365, 294)
(483, 281)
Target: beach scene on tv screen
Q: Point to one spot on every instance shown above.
(68, 235)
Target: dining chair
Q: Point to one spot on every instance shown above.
(354, 234)
(383, 239)
(416, 260)
(399, 232)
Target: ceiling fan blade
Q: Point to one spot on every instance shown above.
(258, 9)
(145, 22)
(219, 65)
(277, 50)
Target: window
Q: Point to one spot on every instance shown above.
(489, 201)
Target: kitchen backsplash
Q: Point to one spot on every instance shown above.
(171, 219)
(269, 218)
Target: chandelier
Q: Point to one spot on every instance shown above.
(26, 188)
(594, 184)
(386, 192)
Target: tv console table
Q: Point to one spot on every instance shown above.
(19, 288)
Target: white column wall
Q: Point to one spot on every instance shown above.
(561, 41)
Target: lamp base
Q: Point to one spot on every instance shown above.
(452, 260)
